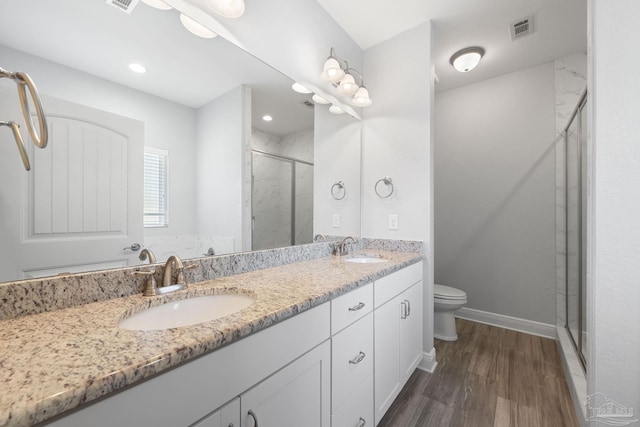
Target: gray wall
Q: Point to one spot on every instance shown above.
(495, 193)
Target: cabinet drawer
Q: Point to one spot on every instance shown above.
(395, 283)
(357, 410)
(351, 359)
(350, 307)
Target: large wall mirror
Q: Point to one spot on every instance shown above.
(179, 159)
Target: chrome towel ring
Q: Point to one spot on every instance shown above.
(337, 189)
(388, 182)
(41, 138)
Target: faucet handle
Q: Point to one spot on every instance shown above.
(152, 287)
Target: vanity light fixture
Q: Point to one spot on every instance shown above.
(158, 4)
(137, 68)
(300, 88)
(343, 78)
(227, 8)
(196, 28)
(267, 118)
(467, 59)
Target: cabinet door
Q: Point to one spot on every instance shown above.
(411, 325)
(387, 355)
(297, 395)
(227, 416)
(398, 345)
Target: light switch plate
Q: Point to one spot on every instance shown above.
(336, 221)
(393, 222)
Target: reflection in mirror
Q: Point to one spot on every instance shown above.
(198, 109)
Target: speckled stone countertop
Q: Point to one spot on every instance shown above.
(57, 361)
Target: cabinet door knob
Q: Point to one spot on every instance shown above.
(359, 358)
(361, 422)
(255, 419)
(360, 306)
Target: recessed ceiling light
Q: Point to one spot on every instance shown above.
(158, 4)
(267, 118)
(137, 68)
(196, 28)
(300, 88)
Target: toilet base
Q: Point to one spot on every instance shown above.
(444, 323)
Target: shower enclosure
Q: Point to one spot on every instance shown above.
(281, 201)
(575, 225)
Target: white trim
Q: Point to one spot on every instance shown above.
(576, 378)
(514, 323)
(428, 362)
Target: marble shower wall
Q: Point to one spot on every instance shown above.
(272, 190)
(570, 83)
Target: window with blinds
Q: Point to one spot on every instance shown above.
(156, 206)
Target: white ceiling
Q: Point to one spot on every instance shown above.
(97, 38)
(560, 29)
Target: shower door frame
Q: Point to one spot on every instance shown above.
(576, 116)
(293, 162)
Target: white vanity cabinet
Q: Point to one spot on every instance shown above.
(352, 358)
(297, 395)
(227, 416)
(398, 328)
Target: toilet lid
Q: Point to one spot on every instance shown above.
(447, 292)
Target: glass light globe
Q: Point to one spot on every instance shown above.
(334, 109)
(348, 85)
(361, 98)
(158, 4)
(227, 8)
(196, 28)
(319, 100)
(332, 71)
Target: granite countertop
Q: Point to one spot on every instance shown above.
(57, 361)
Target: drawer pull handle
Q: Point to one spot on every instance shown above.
(255, 419)
(361, 422)
(359, 358)
(360, 306)
(403, 314)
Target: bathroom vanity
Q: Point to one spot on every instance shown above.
(302, 354)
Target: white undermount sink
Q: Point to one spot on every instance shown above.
(186, 312)
(365, 259)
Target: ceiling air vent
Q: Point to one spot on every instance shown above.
(126, 6)
(522, 27)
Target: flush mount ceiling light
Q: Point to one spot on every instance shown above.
(137, 68)
(227, 8)
(466, 59)
(300, 88)
(158, 4)
(196, 28)
(267, 118)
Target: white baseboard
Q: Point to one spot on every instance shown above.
(514, 323)
(428, 362)
(575, 376)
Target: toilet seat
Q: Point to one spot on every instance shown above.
(448, 293)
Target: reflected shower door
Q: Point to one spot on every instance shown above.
(271, 201)
(303, 203)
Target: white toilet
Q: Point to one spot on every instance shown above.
(446, 300)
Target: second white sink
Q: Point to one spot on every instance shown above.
(365, 259)
(187, 312)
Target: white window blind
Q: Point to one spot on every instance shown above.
(155, 187)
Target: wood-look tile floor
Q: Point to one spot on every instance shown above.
(490, 377)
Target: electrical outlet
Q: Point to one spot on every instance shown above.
(393, 222)
(336, 221)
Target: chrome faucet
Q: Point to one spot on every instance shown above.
(146, 253)
(319, 238)
(344, 247)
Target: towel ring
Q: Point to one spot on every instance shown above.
(388, 182)
(335, 190)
